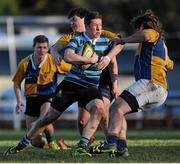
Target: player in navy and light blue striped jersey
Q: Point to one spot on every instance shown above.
(89, 77)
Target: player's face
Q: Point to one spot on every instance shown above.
(94, 30)
(77, 24)
(40, 50)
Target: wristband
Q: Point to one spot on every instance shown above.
(107, 57)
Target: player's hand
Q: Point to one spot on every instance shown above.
(170, 66)
(19, 107)
(94, 58)
(103, 63)
(56, 58)
(115, 92)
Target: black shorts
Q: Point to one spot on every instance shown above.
(33, 105)
(67, 93)
(105, 84)
(106, 91)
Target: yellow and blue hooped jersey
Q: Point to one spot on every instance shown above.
(152, 59)
(39, 80)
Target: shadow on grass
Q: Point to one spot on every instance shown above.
(144, 154)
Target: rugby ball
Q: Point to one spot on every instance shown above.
(87, 50)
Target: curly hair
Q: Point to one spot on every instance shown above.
(148, 20)
(80, 12)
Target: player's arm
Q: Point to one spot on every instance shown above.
(71, 57)
(170, 64)
(113, 69)
(139, 36)
(116, 49)
(17, 80)
(17, 91)
(56, 51)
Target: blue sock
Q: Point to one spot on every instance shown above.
(112, 139)
(84, 141)
(121, 144)
(25, 141)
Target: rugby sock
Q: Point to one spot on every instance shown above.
(25, 141)
(83, 142)
(112, 139)
(50, 138)
(121, 143)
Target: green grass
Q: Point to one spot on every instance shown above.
(151, 146)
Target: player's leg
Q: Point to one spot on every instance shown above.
(32, 113)
(83, 117)
(49, 130)
(116, 115)
(53, 143)
(105, 115)
(122, 147)
(39, 141)
(94, 104)
(37, 128)
(107, 98)
(60, 103)
(95, 108)
(141, 94)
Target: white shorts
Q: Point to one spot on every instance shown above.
(148, 94)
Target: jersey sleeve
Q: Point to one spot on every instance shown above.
(154, 35)
(110, 34)
(63, 67)
(64, 40)
(169, 62)
(20, 73)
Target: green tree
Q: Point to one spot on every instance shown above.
(116, 13)
(9, 7)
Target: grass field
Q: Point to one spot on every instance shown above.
(144, 146)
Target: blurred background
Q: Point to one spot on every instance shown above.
(21, 21)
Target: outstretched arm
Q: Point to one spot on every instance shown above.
(56, 52)
(139, 36)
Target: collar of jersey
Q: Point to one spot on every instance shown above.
(33, 64)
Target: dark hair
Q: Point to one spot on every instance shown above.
(148, 20)
(80, 12)
(40, 39)
(91, 15)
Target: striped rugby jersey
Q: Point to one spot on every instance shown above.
(87, 78)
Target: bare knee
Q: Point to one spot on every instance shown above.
(97, 109)
(119, 107)
(83, 117)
